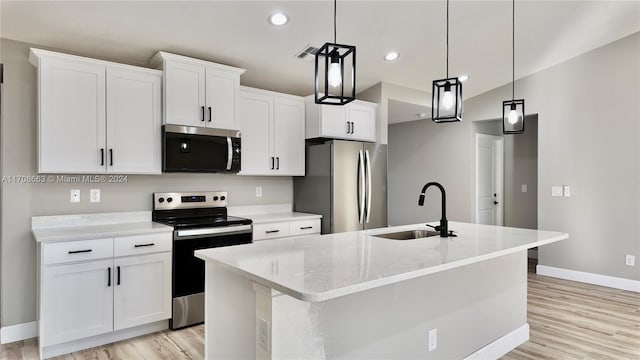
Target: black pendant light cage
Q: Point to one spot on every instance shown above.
(513, 123)
(441, 113)
(446, 94)
(513, 114)
(345, 57)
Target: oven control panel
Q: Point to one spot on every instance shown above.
(189, 200)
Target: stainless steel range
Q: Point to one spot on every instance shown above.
(199, 221)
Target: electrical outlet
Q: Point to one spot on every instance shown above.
(263, 335)
(523, 187)
(74, 196)
(566, 190)
(433, 339)
(258, 191)
(94, 195)
(556, 191)
(630, 260)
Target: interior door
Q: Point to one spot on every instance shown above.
(489, 179)
(348, 186)
(375, 186)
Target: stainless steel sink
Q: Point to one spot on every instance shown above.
(408, 235)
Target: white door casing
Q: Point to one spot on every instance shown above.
(489, 179)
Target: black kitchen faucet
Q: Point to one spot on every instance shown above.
(444, 224)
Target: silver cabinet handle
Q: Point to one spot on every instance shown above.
(229, 152)
(368, 178)
(361, 197)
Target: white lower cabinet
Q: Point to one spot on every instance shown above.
(77, 301)
(85, 291)
(142, 292)
(285, 229)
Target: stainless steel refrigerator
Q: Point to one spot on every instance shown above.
(345, 182)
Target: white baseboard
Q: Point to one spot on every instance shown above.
(76, 345)
(589, 278)
(503, 345)
(9, 334)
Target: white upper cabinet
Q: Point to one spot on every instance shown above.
(272, 128)
(95, 116)
(197, 92)
(354, 121)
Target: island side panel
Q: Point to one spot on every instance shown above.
(230, 315)
(471, 307)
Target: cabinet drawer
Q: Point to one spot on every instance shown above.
(143, 244)
(270, 231)
(71, 251)
(304, 227)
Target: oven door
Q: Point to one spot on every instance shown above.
(188, 270)
(193, 149)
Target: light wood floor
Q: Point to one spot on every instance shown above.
(568, 320)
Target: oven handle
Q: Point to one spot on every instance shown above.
(215, 231)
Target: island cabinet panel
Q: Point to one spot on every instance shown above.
(286, 228)
(96, 116)
(272, 128)
(198, 92)
(354, 121)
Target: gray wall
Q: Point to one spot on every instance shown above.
(22, 201)
(588, 137)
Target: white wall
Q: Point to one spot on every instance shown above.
(22, 201)
(588, 137)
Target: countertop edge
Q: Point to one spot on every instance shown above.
(281, 217)
(339, 292)
(90, 235)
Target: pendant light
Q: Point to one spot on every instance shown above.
(446, 101)
(336, 83)
(513, 110)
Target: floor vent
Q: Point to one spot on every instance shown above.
(308, 53)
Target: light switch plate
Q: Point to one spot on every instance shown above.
(566, 190)
(258, 191)
(433, 339)
(74, 196)
(630, 260)
(556, 191)
(523, 187)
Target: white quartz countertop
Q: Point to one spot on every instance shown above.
(94, 226)
(281, 217)
(322, 267)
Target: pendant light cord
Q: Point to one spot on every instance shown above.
(513, 50)
(447, 39)
(334, 21)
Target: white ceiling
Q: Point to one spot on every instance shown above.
(237, 33)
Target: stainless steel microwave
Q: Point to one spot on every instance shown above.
(198, 149)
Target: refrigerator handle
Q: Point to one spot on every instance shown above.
(367, 161)
(361, 197)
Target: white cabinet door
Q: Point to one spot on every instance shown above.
(71, 117)
(184, 94)
(221, 98)
(77, 301)
(142, 290)
(288, 136)
(133, 122)
(363, 121)
(255, 117)
(333, 121)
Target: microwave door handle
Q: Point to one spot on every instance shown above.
(229, 153)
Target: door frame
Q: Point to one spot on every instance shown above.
(499, 175)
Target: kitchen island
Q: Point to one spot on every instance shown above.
(358, 295)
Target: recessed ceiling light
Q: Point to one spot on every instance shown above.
(391, 55)
(278, 19)
(463, 77)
